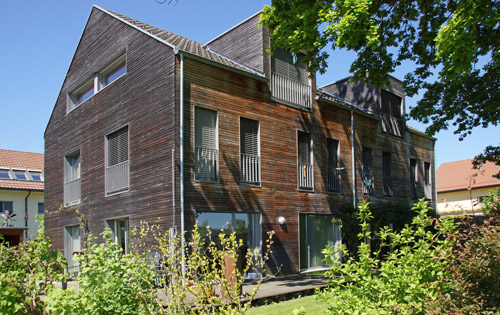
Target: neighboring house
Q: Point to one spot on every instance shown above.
(460, 188)
(255, 146)
(21, 194)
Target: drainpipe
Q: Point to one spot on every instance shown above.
(181, 153)
(26, 214)
(354, 201)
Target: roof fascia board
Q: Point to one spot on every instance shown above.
(466, 189)
(232, 28)
(21, 189)
(420, 133)
(223, 66)
(357, 111)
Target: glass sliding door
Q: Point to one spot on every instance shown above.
(317, 231)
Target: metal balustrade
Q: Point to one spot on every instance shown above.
(333, 179)
(305, 175)
(205, 163)
(250, 168)
(291, 91)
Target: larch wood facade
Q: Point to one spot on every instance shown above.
(147, 100)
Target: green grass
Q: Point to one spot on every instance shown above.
(311, 305)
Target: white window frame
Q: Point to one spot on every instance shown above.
(259, 167)
(216, 178)
(9, 173)
(26, 177)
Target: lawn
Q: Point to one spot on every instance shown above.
(311, 305)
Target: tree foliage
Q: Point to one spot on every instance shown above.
(455, 46)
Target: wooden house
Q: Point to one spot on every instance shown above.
(149, 124)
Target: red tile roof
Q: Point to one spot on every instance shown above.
(23, 161)
(459, 175)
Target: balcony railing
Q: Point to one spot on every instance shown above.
(305, 175)
(388, 186)
(117, 177)
(290, 91)
(250, 168)
(333, 179)
(205, 163)
(392, 125)
(72, 192)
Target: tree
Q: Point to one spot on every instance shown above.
(457, 41)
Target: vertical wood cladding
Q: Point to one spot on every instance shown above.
(243, 44)
(143, 99)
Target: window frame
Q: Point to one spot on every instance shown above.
(9, 173)
(336, 167)
(311, 164)
(107, 167)
(2, 206)
(388, 185)
(216, 177)
(23, 172)
(43, 208)
(72, 182)
(112, 224)
(428, 180)
(413, 178)
(258, 155)
(367, 159)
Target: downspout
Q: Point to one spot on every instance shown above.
(353, 161)
(181, 152)
(26, 214)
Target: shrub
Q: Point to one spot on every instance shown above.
(401, 282)
(27, 272)
(474, 273)
(491, 203)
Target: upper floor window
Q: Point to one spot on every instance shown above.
(206, 155)
(427, 181)
(72, 185)
(35, 175)
(367, 172)
(387, 173)
(117, 161)
(391, 112)
(304, 161)
(20, 175)
(250, 150)
(97, 82)
(5, 173)
(333, 168)
(41, 208)
(413, 178)
(6, 206)
(290, 82)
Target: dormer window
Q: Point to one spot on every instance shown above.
(101, 79)
(20, 175)
(290, 82)
(4, 173)
(35, 176)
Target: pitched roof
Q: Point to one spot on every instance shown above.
(22, 161)
(329, 97)
(460, 175)
(181, 43)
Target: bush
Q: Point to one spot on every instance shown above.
(491, 203)
(474, 273)
(27, 272)
(401, 282)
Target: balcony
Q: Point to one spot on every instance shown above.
(72, 192)
(291, 92)
(333, 179)
(250, 168)
(117, 178)
(205, 164)
(305, 176)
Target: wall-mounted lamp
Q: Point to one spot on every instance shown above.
(281, 220)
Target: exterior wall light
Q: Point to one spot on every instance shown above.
(281, 220)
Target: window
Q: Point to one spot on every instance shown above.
(6, 206)
(413, 178)
(120, 233)
(367, 172)
(289, 79)
(20, 175)
(427, 181)
(250, 151)
(72, 185)
(112, 72)
(206, 153)
(387, 173)
(316, 232)
(391, 114)
(304, 161)
(41, 208)
(97, 82)
(4, 173)
(36, 175)
(72, 247)
(333, 180)
(117, 161)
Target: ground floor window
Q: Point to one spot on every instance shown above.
(317, 231)
(247, 227)
(72, 247)
(120, 233)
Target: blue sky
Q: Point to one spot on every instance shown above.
(39, 39)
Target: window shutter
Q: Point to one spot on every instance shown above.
(206, 128)
(249, 136)
(118, 147)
